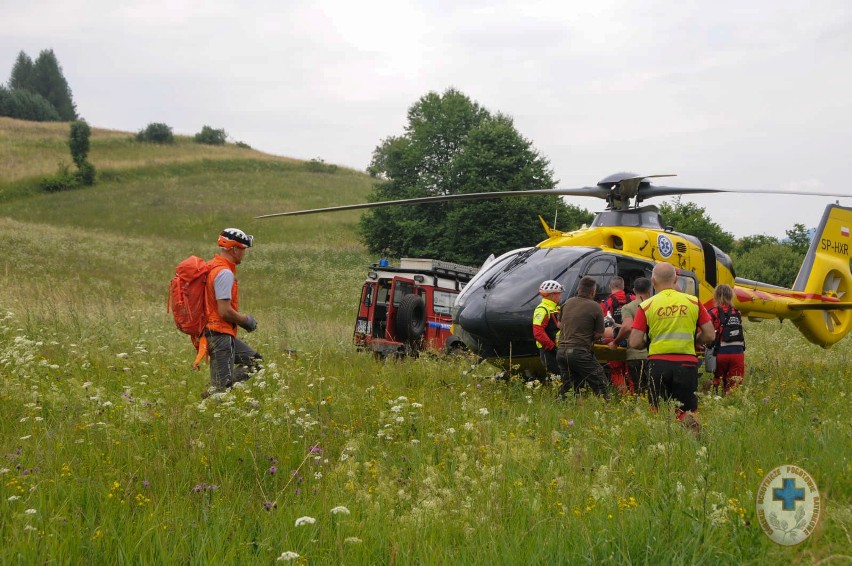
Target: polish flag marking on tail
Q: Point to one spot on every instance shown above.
(844, 231)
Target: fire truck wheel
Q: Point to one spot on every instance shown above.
(411, 318)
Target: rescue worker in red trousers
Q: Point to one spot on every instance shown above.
(612, 305)
(637, 360)
(729, 345)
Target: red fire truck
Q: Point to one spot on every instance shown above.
(405, 310)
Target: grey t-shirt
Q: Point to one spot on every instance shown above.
(223, 283)
(629, 311)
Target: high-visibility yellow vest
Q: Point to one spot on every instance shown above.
(672, 319)
(547, 312)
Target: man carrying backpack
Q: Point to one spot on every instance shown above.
(231, 359)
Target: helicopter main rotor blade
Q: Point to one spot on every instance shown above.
(659, 191)
(582, 192)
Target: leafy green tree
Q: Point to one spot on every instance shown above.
(211, 136)
(23, 104)
(156, 132)
(748, 243)
(774, 263)
(22, 73)
(451, 145)
(78, 141)
(798, 239)
(689, 218)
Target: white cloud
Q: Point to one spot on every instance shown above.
(729, 94)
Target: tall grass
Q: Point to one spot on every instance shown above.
(109, 455)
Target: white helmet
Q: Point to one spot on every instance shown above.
(551, 286)
(234, 237)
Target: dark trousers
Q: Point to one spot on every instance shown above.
(548, 360)
(638, 370)
(231, 360)
(673, 380)
(579, 367)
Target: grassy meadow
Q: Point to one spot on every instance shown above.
(108, 455)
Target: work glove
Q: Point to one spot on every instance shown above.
(250, 324)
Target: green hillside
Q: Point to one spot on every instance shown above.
(115, 245)
(109, 455)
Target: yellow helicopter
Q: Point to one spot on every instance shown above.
(492, 314)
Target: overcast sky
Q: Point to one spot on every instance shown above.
(729, 94)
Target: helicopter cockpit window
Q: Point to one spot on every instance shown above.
(601, 270)
(687, 285)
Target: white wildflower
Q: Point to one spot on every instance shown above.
(340, 510)
(483, 411)
(122, 355)
(468, 426)
(352, 540)
(451, 430)
(305, 521)
(29, 528)
(415, 406)
(287, 556)
(30, 511)
(317, 475)
(26, 437)
(14, 497)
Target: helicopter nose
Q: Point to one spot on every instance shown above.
(472, 316)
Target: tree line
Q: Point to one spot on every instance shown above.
(451, 145)
(37, 90)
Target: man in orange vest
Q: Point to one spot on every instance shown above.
(670, 318)
(231, 360)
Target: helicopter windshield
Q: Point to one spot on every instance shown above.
(532, 265)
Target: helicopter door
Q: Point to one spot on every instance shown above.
(601, 269)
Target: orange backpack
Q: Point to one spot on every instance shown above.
(187, 297)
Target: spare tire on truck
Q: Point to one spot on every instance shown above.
(411, 318)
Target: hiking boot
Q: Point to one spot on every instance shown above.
(692, 424)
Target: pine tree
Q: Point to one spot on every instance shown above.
(22, 73)
(48, 81)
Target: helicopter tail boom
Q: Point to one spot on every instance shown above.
(819, 302)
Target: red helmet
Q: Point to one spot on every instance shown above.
(234, 237)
